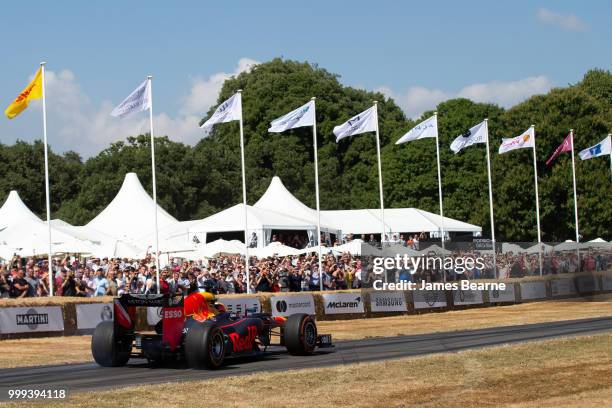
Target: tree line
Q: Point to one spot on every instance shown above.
(196, 181)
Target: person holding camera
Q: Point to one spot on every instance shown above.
(264, 281)
(20, 286)
(69, 284)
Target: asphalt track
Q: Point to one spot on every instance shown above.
(89, 376)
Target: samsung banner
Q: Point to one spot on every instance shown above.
(467, 297)
(242, 305)
(388, 301)
(562, 287)
(533, 290)
(427, 299)
(338, 303)
(89, 315)
(502, 296)
(31, 319)
(288, 305)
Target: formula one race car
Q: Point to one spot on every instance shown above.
(198, 330)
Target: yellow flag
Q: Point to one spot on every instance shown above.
(32, 91)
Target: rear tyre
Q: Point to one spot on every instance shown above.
(108, 348)
(205, 346)
(300, 334)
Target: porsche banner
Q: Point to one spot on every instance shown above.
(463, 297)
(31, 319)
(429, 299)
(502, 296)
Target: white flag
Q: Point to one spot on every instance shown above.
(527, 139)
(228, 111)
(477, 134)
(364, 122)
(137, 101)
(302, 116)
(602, 148)
(427, 128)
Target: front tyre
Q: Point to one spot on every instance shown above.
(205, 346)
(108, 348)
(300, 333)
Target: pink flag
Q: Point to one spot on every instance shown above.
(566, 146)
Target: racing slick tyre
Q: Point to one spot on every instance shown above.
(108, 349)
(205, 346)
(300, 334)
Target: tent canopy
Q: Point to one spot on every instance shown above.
(14, 211)
(130, 214)
(232, 219)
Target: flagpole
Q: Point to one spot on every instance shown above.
(154, 181)
(491, 201)
(244, 201)
(535, 176)
(316, 163)
(610, 136)
(439, 183)
(575, 197)
(380, 180)
(47, 200)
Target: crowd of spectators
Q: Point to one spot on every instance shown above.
(88, 277)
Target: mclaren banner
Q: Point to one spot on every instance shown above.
(392, 301)
(288, 305)
(31, 319)
(89, 315)
(340, 303)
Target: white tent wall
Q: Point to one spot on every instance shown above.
(14, 211)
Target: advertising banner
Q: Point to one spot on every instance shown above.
(463, 297)
(563, 287)
(388, 301)
(288, 305)
(31, 319)
(338, 303)
(506, 295)
(241, 305)
(607, 282)
(428, 299)
(154, 315)
(89, 315)
(533, 290)
(587, 284)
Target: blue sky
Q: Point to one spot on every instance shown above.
(98, 52)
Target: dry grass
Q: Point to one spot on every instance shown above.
(45, 350)
(554, 373)
(77, 348)
(477, 318)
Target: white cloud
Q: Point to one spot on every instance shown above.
(76, 123)
(566, 21)
(418, 99)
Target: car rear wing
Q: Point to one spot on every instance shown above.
(150, 300)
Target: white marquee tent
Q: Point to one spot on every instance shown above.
(129, 216)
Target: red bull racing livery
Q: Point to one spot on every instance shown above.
(199, 331)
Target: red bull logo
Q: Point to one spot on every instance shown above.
(244, 343)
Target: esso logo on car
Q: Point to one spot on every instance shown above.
(173, 314)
